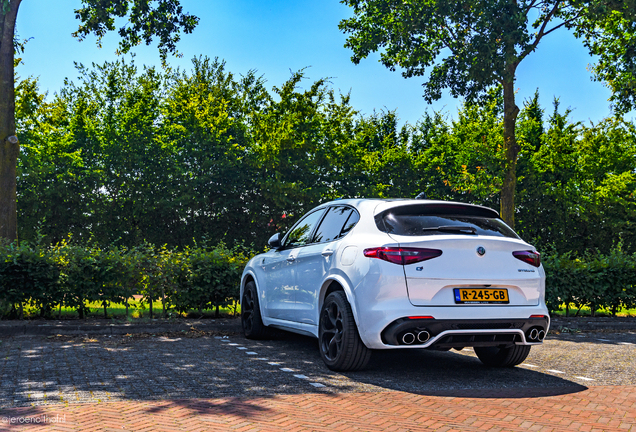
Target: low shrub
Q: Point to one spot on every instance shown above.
(72, 275)
(597, 281)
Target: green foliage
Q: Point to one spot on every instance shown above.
(28, 274)
(71, 275)
(600, 281)
(128, 156)
(214, 276)
(163, 19)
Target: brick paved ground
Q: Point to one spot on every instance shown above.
(598, 408)
(234, 384)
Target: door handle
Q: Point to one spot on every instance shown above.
(327, 253)
(291, 259)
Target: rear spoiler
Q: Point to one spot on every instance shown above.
(436, 209)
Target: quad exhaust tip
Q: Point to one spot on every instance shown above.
(408, 338)
(423, 336)
(536, 335)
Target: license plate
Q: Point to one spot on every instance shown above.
(481, 295)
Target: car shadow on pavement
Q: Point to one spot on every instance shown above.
(436, 373)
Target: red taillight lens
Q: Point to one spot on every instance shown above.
(530, 257)
(400, 255)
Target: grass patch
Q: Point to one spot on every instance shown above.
(137, 310)
(587, 312)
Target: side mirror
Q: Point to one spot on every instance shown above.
(274, 241)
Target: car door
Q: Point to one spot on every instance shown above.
(280, 269)
(315, 259)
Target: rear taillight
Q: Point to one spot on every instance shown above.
(400, 255)
(530, 257)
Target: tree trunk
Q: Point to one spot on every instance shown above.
(9, 146)
(163, 303)
(511, 110)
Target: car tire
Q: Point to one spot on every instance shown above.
(339, 341)
(251, 321)
(502, 357)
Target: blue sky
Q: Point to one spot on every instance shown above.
(276, 36)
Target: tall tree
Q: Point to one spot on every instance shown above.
(146, 19)
(474, 45)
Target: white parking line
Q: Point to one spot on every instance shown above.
(233, 344)
(250, 353)
(604, 340)
(584, 378)
(241, 348)
(625, 343)
(286, 369)
(301, 376)
(555, 371)
(317, 384)
(274, 363)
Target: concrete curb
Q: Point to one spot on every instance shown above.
(105, 327)
(593, 324)
(17, 328)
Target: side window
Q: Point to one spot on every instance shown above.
(351, 222)
(300, 233)
(334, 224)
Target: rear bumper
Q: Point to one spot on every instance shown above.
(451, 333)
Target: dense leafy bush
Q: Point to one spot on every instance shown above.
(71, 275)
(594, 280)
(28, 274)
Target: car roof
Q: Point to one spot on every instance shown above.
(381, 204)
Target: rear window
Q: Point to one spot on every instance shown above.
(422, 220)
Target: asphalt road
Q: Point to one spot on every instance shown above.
(35, 370)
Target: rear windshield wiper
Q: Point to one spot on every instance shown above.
(452, 228)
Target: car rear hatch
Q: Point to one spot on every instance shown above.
(476, 265)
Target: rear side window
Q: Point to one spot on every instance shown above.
(420, 220)
(337, 223)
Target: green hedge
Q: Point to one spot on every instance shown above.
(203, 277)
(72, 275)
(594, 280)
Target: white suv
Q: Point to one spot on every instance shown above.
(364, 274)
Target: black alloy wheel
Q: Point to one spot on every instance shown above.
(253, 327)
(339, 341)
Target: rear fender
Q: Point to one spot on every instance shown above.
(258, 290)
(347, 290)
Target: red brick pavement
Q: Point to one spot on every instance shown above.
(596, 408)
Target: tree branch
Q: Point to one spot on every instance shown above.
(530, 6)
(574, 18)
(541, 32)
